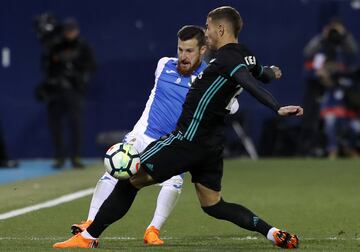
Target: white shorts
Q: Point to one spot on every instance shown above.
(139, 140)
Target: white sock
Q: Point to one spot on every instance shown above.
(86, 235)
(166, 201)
(103, 189)
(269, 235)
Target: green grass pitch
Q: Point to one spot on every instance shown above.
(317, 199)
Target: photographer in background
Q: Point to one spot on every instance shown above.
(67, 63)
(330, 57)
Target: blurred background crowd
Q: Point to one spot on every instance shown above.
(76, 75)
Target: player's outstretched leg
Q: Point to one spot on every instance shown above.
(113, 209)
(166, 201)
(246, 219)
(103, 188)
(215, 206)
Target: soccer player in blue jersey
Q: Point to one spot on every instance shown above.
(159, 118)
(173, 78)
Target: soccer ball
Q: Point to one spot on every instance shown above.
(122, 161)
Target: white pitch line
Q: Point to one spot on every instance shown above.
(46, 204)
(247, 238)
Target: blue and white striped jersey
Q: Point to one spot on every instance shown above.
(166, 99)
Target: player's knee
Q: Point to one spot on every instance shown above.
(207, 197)
(174, 183)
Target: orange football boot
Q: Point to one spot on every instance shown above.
(77, 241)
(285, 240)
(151, 236)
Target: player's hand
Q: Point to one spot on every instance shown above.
(277, 72)
(291, 110)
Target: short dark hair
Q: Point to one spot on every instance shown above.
(229, 14)
(192, 31)
(70, 24)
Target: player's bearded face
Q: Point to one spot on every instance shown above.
(189, 56)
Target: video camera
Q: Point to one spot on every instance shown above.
(47, 29)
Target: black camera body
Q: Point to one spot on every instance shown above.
(47, 30)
